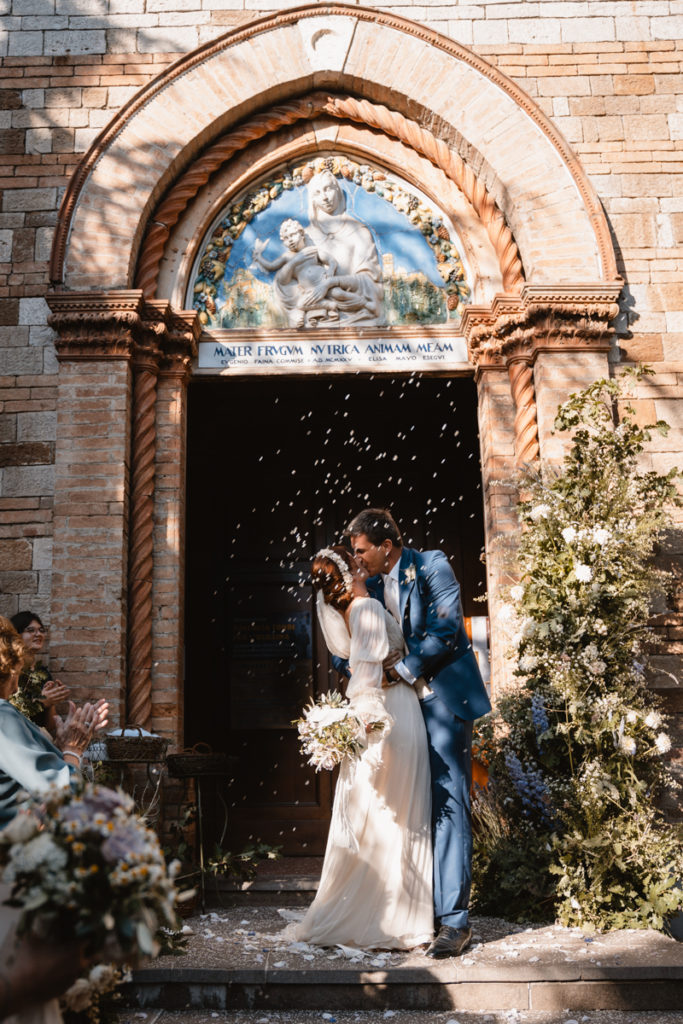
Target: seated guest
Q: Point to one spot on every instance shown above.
(29, 760)
(38, 694)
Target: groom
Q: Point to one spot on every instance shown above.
(421, 592)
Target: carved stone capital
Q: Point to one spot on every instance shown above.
(96, 325)
(568, 318)
(183, 330)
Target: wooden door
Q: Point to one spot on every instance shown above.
(276, 468)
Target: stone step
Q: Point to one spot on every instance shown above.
(396, 1017)
(241, 959)
(272, 891)
(434, 988)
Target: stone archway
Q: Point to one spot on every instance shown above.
(539, 326)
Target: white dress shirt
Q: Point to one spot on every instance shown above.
(391, 600)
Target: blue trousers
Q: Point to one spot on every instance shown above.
(450, 756)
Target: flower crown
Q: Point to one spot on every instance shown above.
(340, 563)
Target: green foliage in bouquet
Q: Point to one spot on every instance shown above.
(568, 827)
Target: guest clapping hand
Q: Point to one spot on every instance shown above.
(75, 732)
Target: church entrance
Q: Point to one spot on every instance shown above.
(276, 468)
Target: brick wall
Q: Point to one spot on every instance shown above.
(608, 74)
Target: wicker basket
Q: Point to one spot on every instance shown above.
(136, 748)
(199, 760)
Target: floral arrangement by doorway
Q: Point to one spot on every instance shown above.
(568, 827)
(214, 260)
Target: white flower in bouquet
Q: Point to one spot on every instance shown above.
(36, 853)
(627, 744)
(569, 534)
(601, 535)
(583, 573)
(330, 731)
(539, 512)
(653, 720)
(663, 743)
(517, 592)
(528, 662)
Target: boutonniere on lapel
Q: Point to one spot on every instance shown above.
(409, 574)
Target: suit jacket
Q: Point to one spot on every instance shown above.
(439, 649)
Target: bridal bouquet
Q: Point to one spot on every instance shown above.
(83, 865)
(331, 730)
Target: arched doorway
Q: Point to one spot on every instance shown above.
(543, 284)
(276, 468)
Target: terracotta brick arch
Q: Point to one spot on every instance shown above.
(502, 137)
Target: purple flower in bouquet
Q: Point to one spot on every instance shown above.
(127, 842)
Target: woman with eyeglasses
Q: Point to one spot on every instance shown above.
(38, 694)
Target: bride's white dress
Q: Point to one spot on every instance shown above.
(376, 886)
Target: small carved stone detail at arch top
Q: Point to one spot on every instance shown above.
(377, 116)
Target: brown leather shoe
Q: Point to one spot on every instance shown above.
(449, 942)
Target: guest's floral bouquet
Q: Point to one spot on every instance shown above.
(331, 730)
(83, 865)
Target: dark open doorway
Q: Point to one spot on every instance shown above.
(276, 467)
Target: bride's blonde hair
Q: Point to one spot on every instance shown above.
(328, 576)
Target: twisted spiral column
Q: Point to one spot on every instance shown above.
(374, 115)
(141, 552)
(526, 424)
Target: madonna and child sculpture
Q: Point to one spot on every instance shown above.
(331, 275)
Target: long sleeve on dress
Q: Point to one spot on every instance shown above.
(369, 647)
(28, 761)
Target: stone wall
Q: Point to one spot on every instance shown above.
(607, 72)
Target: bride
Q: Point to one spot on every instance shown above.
(376, 886)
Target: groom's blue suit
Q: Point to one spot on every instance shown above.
(440, 652)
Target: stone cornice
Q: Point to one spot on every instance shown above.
(122, 325)
(96, 325)
(542, 318)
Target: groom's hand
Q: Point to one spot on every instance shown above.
(391, 659)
